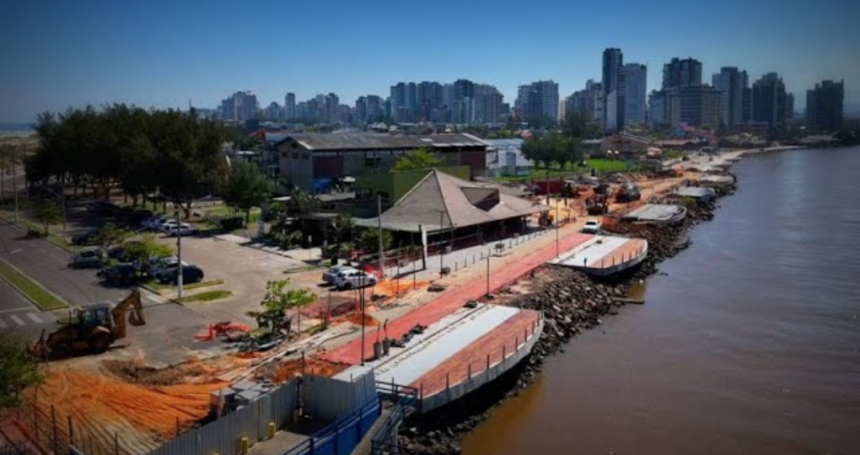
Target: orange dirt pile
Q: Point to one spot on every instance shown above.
(289, 369)
(389, 287)
(124, 408)
(355, 318)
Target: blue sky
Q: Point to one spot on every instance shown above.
(159, 53)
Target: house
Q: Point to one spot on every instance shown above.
(505, 158)
(316, 162)
(625, 145)
(444, 206)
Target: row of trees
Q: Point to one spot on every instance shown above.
(564, 146)
(169, 152)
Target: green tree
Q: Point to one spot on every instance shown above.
(578, 126)
(417, 159)
(246, 188)
(48, 212)
(145, 248)
(18, 370)
(368, 240)
(277, 301)
(110, 235)
(342, 228)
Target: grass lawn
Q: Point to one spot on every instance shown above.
(605, 166)
(202, 284)
(207, 296)
(33, 290)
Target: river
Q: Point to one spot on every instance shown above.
(750, 344)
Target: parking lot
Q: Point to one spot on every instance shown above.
(245, 272)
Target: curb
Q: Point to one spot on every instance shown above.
(26, 296)
(47, 238)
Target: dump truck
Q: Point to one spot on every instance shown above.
(91, 328)
(596, 205)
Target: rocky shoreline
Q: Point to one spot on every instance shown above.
(571, 302)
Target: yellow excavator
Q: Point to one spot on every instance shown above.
(91, 328)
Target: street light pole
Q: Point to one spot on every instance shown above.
(179, 255)
(441, 242)
(379, 227)
(361, 302)
(488, 275)
(557, 226)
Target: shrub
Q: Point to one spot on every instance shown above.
(232, 223)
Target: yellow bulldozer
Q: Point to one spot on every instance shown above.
(91, 328)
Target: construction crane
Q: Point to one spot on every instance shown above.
(91, 329)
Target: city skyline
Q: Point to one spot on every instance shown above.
(172, 54)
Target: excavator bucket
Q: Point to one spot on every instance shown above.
(135, 320)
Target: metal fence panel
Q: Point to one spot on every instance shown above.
(326, 398)
(223, 435)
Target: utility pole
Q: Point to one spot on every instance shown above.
(557, 226)
(361, 302)
(179, 254)
(441, 242)
(15, 186)
(488, 275)
(379, 226)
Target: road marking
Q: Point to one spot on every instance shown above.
(34, 318)
(2, 324)
(17, 319)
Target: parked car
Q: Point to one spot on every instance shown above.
(183, 229)
(156, 265)
(123, 274)
(152, 222)
(88, 259)
(329, 275)
(170, 274)
(353, 279)
(119, 253)
(592, 227)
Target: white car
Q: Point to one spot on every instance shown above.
(183, 229)
(329, 275)
(592, 227)
(351, 279)
(154, 223)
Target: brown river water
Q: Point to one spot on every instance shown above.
(749, 345)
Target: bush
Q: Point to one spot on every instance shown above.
(232, 223)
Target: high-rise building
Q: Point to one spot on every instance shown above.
(732, 85)
(488, 104)
(682, 73)
(613, 112)
(825, 106)
(290, 106)
(331, 108)
(375, 108)
(360, 116)
(538, 101)
(635, 81)
(273, 112)
(240, 107)
(657, 108)
(789, 106)
(429, 100)
(588, 102)
(695, 105)
(769, 100)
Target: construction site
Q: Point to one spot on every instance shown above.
(443, 336)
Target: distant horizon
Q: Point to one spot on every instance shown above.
(162, 54)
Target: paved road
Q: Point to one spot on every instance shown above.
(47, 264)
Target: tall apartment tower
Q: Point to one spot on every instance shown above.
(732, 84)
(825, 106)
(635, 94)
(613, 79)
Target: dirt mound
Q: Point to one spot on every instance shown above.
(288, 370)
(137, 372)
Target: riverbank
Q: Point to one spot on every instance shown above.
(572, 303)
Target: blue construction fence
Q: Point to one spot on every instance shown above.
(342, 435)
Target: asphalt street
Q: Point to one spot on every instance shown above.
(167, 337)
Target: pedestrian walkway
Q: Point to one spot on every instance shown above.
(22, 318)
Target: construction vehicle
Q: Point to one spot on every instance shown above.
(627, 192)
(597, 205)
(91, 328)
